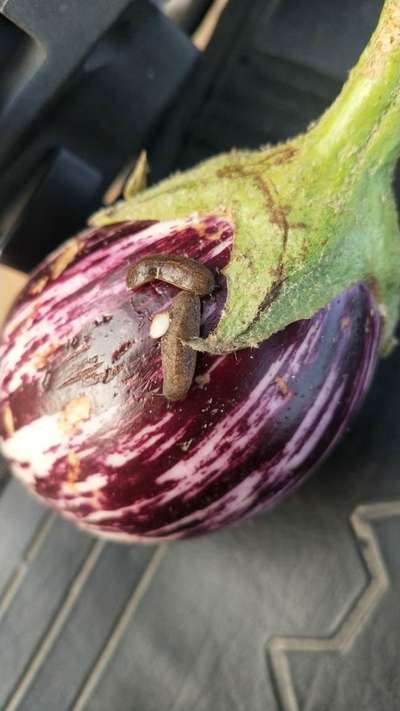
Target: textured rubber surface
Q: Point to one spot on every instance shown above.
(294, 611)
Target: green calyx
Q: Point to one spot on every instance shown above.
(312, 217)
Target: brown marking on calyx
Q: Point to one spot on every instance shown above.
(297, 226)
(278, 157)
(277, 216)
(178, 359)
(74, 412)
(277, 213)
(64, 259)
(8, 421)
(344, 323)
(270, 158)
(269, 298)
(38, 285)
(284, 156)
(182, 272)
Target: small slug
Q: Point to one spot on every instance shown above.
(181, 272)
(178, 359)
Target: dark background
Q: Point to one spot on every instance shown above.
(297, 610)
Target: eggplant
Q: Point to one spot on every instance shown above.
(87, 428)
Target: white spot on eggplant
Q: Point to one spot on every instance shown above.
(159, 325)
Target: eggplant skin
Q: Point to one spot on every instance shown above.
(85, 426)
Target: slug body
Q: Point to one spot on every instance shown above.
(178, 359)
(179, 271)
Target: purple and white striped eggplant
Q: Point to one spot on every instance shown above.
(279, 268)
(84, 422)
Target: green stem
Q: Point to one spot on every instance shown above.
(365, 118)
